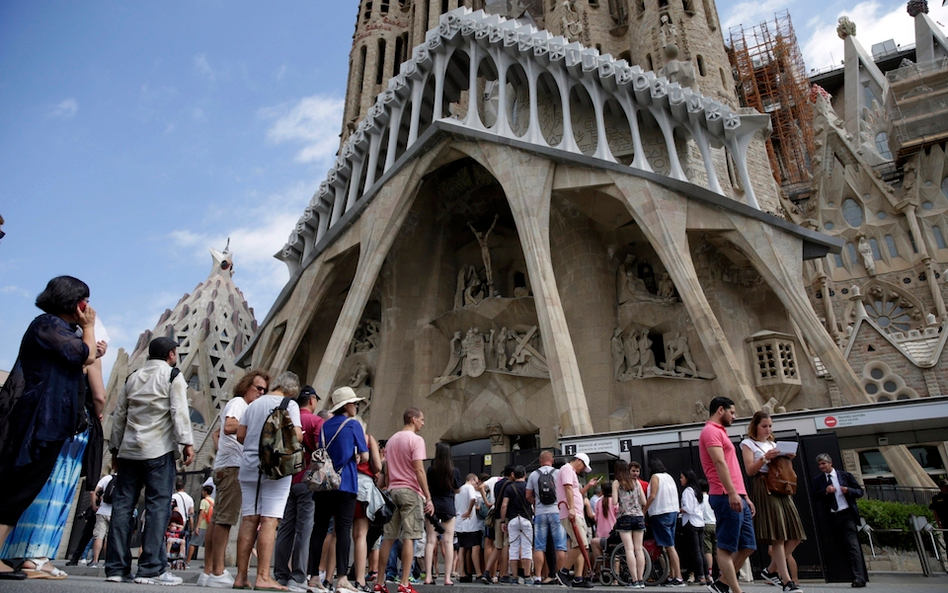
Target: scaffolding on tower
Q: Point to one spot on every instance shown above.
(772, 79)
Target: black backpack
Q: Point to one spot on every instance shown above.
(109, 491)
(546, 487)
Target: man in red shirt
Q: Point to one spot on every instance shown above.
(728, 495)
(291, 553)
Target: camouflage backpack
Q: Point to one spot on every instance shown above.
(281, 453)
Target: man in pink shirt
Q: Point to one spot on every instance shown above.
(728, 495)
(408, 486)
(570, 501)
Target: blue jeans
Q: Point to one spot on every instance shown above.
(548, 526)
(735, 530)
(157, 478)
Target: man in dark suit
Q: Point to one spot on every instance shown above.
(837, 491)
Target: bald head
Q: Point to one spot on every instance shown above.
(546, 458)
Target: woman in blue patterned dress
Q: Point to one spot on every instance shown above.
(37, 422)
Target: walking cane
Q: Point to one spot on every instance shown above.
(579, 540)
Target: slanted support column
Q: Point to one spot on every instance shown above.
(393, 126)
(375, 143)
(379, 228)
(777, 257)
(527, 181)
(665, 229)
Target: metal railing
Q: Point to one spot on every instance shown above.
(902, 494)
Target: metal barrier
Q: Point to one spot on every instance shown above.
(920, 526)
(902, 494)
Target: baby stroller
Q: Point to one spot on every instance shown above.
(176, 539)
(617, 569)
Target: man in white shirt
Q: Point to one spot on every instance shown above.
(469, 528)
(151, 421)
(184, 503)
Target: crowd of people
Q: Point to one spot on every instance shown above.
(401, 521)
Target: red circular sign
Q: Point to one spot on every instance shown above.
(830, 421)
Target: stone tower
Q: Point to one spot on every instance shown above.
(211, 326)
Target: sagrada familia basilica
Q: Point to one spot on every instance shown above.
(562, 217)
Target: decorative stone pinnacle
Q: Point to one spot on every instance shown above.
(845, 28)
(917, 7)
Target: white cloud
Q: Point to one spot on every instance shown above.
(15, 290)
(312, 122)
(259, 233)
(66, 109)
(749, 14)
(203, 67)
(875, 23)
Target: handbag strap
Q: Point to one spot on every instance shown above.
(322, 434)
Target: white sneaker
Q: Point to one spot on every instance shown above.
(117, 578)
(165, 578)
(296, 587)
(318, 588)
(220, 581)
(202, 579)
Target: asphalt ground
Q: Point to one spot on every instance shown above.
(83, 580)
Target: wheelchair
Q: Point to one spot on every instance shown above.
(616, 569)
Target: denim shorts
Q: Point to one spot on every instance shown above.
(546, 526)
(630, 523)
(735, 530)
(663, 528)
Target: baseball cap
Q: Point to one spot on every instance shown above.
(160, 347)
(585, 459)
(308, 390)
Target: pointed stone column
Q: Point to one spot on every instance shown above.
(907, 470)
(663, 218)
(527, 181)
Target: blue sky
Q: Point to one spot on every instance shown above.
(135, 135)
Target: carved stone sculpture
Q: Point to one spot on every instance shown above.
(571, 22)
(454, 360)
(472, 349)
(618, 354)
(666, 288)
(865, 251)
(359, 383)
(500, 350)
(526, 357)
(677, 349)
(770, 406)
(485, 252)
(631, 288)
(632, 356)
(366, 336)
(668, 33)
(701, 412)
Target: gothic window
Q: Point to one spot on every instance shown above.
(882, 145)
(700, 60)
(367, 13)
(662, 3)
(709, 15)
(853, 258)
(939, 238)
(594, 3)
(444, 6)
(775, 358)
(648, 60)
(882, 384)
(688, 5)
(383, 6)
(362, 54)
(890, 243)
(852, 212)
(839, 260)
(640, 8)
(876, 254)
(380, 66)
(723, 79)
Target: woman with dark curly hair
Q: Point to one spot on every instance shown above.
(37, 420)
